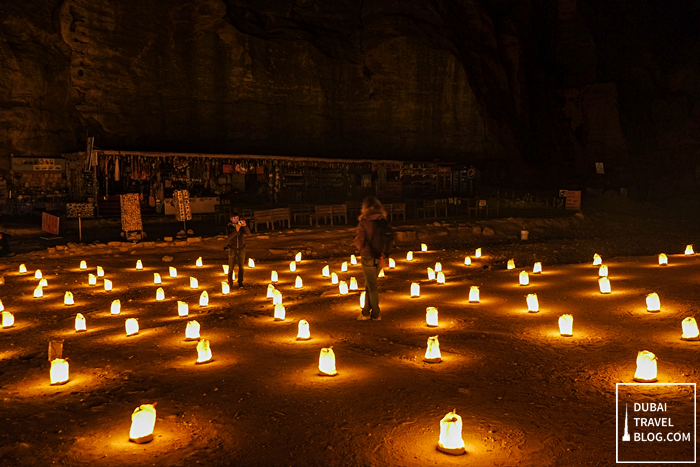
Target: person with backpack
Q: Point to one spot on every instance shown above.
(374, 237)
(236, 230)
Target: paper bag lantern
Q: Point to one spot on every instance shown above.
(604, 284)
(663, 260)
(172, 271)
(381, 273)
(270, 291)
(450, 441)
(203, 352)
(597, 260)
(274, 277)
(326, 272)
(100, 271)
(192, 331)
(194, 283)
(280, 312)
(251, 263)
(298, 283)
(440, 277)
(477, 253)
(343, 286)
(409, 256)
(690, 330)
(524, 278)
(415, 290)
(293, 266)
(689, 250)
(139, 264)
(132, 326)
(43, 282)
(22, 269)
(474, 294)
(533, 306)
(431, 317)
(653, 302)
(143, 420)
(37, 274)
(204, 299)
(392, 263)
(80, 324)
(225, 268)
(2, 307)
(646, 367)
(511, 264)
(344, 267)
(297, 258)
(423, 247)
(225, 289)
(8, 319)
(537, 268)
(326, 363)
(116, 307)
(276, 297)
(108, 285)
(68, 299)
(431, 274)
(199, 263)
(363, 297)
(303, 334)
(83, 265)
(59, 371)
(183, 309)
(156, 278)
(38, 292)
(160, 294)
(603, 271)
(353, 283)
(92, 280)
(566, 324)
(467, 261)
(432, 353)
(334, 278)
(438, 267)
(353, 260)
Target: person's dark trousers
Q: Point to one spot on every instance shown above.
(370, 268)
(236, 256)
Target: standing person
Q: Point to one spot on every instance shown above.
(236, 230)
(373, 238)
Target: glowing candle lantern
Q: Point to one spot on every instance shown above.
(423, 247)
(432, 353)
(100, 271)
(326, 272)
(194, 283)
(116, 307)
(43, 282)
(303, 334)
(690, 330)
(8, 319)
(477, 253)
(173, 271)
(334, 278)
(297, 258)
(603, 271)
(274, 277)
(293, 266)
(192, 331)
(68, 299)
(22, 269)
(381, 273)
(353, 260)
(83, 265)
(438, 267)
(663, 260)
(646, 367)
(474, 294)
(37, 274)
(276, 297)
(537, 268)
(198, 263)
(2, 280)
(183, 309)
(203, 352)
(108, 285)
(92, 280)
(431, 274)
(160, 294)
(344, 266)
(415, 290)
(204, 299)
(298, 284)
(156, 278)
(604, 284)
(689, 250)
(566, 324)
(280, 312)
(80, 324)
(38, 292)
(363, 297)
(251, 263)
(326, 363)
(225, 268)
(409, 256)
(59, 371)
(392, 263)
(533, 306)
(597, 260)
(524, 278)
(2, 307)
(343, 286)
(225, 289)
(270, 291)
(440, 277)
(132, 326)
(511, 264)
(431, 316)
(467, 261)
(143, 420)
(653, 302)
(450, 441)
(353, 283)
(139, 264)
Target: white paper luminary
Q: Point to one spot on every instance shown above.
(160, 294)
(2, 307)
(297, 257)
(203, 352)
(251, 263)
(156, 278)
(392, 263)
(225, 289)
(274, 277)
(143, 421)
(199, 262)
(477, 253)
(8, 319)
(100, 271)
(298, 283)
(132, 326)
(280, 312)
(172, 271)
(653, 302)
(431, 317)
(344, 267)
(334, 278)
(326, 271)
(270, 291)
(431, 274)
(450, 441)
(68, 299)
(566, 325)
(37, 274)
(353, 260)
(537, 268)
(689, 250)
(183, 309)
(663, 260)
(326, 363)
(293, 266)
(467, 261)
(474, 294)
(423, 247)
(22, 269)
(381, 273)
(604, 284)
(83, 265)
(438, 267)
(116, 307)
(225, 268)
(43, 282)
(524, 278)
(597, 260)
(511, 264)
(38, 292)
(276, 297)
(204, 299)
(603, 271)
(415, 290)
(108, 285)
(432, 353)
(363, 297)
(440, 279)
(80, 324)
(533, 305)
(646, 367)
(303, 333)
(343, 288)
(192, 331)
(409, 256)
(59, 371)
(690, 329)
(194, 283)
(92, 280)
(139, 264)
(353, 283)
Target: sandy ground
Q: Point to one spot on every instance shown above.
(528, 396)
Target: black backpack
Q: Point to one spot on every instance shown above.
(382, 241)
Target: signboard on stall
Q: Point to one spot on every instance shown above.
(38, 164)
(49, 223)
(573, 200)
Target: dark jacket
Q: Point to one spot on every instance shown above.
(236, 238)
(364, 232)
